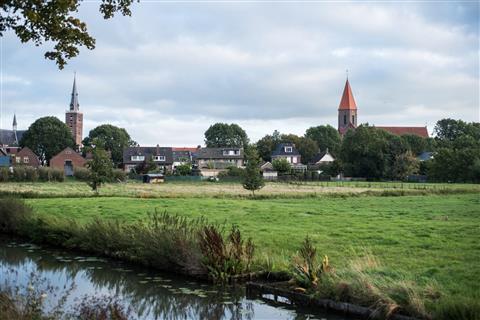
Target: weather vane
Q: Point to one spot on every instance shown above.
(346, 71)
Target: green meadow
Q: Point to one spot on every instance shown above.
(424, 237)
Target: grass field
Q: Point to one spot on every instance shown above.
(229, 190)
(419, 232)
(426, 237)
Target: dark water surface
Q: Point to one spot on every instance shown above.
(149, 294)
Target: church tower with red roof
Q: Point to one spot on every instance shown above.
(347, 110)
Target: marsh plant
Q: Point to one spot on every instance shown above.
(306, 267)
(225, 257)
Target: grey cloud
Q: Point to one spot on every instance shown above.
(171, 70)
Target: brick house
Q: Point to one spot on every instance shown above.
(67, 160)
(25, 157)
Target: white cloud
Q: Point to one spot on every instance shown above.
(171, 70)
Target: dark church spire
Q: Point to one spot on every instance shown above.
(14, 127)
(74, 105)
(14, 124)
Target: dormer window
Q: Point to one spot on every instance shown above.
(233, 152)
(159, 158)
(138, 158)
(288, 149)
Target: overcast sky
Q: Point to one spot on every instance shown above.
(172, 69)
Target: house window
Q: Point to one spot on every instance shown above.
(159, 158)
(138, 158)
(68, 152)
(288, 149)
(234, 152)
(353, 119)
(17, 159)
(344, 119)
(26, 159)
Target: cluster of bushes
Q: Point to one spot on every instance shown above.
(171, 243)
(31, 174)
(83, 174)
(232, 172)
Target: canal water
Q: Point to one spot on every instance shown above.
(148, 294)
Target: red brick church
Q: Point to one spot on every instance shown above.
(348, 116)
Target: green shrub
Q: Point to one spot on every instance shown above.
(44, 174)
(4, 174)
(31, 174)
(14, 213)
(232, 172)
(118, 175)
(81, 173)
(57, 175)
(18, 173)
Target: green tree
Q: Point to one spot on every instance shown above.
(54, 22)
(148, 165)
(110, 138)
(282, 166)
(184, 169)
(100, 167)
(267, 144)
(457, 153)
(253, 179)
(325, 137)
(416, 144)
(365, 152)
(221, 135)
(405, 164)
(455, 165)
(46, 137)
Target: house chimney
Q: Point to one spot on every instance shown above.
(158, 149)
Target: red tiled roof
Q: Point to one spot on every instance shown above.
(185, 149)
(419, 131)
(347, 102)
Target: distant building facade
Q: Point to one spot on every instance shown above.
(24, 157)
(218, 158)
(67, 160)
(288, 152)
(161, 156)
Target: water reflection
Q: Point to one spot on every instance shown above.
(151, 295)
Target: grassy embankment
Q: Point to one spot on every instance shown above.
(433, 237)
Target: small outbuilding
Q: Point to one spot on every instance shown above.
(67, 160)
(153, 178)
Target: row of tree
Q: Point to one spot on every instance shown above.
(366, 152)
(374, 153)
(48, 136)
